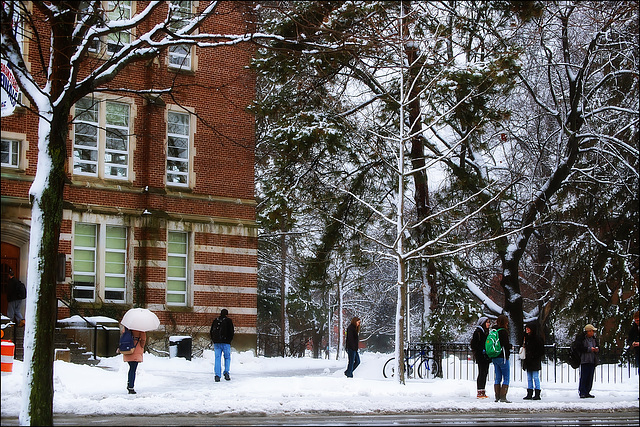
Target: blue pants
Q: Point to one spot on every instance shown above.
(586, 378)
(354, 361)
(501, 369)
(220, 349)
(533, 380)
(131, 379)
(14, 310)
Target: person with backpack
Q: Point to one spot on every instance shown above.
(587, 345)
(498, 349)
(133, 359)
(480, 354)
(221, 335)
(16, 293)
(534, 350)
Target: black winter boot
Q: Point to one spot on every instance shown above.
(496, 388)
(537, 396)
(529, 395)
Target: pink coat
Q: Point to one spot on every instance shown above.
(136, 356)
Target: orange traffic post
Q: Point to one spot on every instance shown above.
(8, 349)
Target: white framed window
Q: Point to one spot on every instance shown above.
(178, 148)
(118, 10)
(177, 272)
(11, 153)
(99, 264)
(85, 244)
(115, 264)
(101, 139)
(180, 55)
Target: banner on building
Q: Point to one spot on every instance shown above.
(10, 90)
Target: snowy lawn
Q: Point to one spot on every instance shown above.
(292, 385)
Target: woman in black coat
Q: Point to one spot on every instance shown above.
(534, 351)
(352, 346)
(480, 354)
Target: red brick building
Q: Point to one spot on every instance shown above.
(159, 209)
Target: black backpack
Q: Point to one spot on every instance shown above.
(216, 330)
(574, 354)
(21, 290)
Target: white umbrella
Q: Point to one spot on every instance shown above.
(140, 319)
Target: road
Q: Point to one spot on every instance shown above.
(480, 418)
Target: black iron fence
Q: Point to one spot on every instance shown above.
(615, 365)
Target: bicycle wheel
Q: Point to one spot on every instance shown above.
(389, 368)
(429, 368)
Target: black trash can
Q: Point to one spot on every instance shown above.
(180, 346)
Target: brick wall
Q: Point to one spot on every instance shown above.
(218, 208)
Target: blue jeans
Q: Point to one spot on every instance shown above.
(220, 349)
(14, 310)
(131, 379)
(501, 369)
(586, 378)
(533, 380)
(354, 361)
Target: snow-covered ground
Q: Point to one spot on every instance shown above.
(290, 385)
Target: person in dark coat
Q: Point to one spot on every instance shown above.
(632, 338)
(534, 352)
(501, 363)
(15, 297)
(222, 345)
(480, 354)
(352, 346)
(588, 347)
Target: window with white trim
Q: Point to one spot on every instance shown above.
(178, 143)
(99, 269)
(10, 153)
(121, 10)
(117, 11)
(180, 55)
(177, 251)
(101, 139)
(115, 264)
(85, 241)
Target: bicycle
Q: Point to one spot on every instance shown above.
(417, 359)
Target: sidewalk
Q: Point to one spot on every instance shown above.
(510, 418)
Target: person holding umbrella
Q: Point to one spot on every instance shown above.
(139, 321)
(140, 338)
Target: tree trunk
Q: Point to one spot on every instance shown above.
(512, 297)
(400, 315)
(420, 178)
(340, 339)
(283, 294)
(46, 218)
